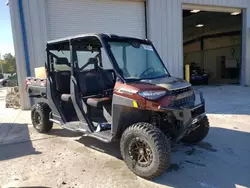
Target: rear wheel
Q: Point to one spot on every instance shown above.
(145, 150)
(198, 134)
(5, 84)
(40, 117)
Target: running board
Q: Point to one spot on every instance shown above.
(55, 121)
(104, 136)
(75, 126)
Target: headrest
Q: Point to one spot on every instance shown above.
(62, 61)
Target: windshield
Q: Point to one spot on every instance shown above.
(137, 61)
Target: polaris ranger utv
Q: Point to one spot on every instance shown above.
(135, 100)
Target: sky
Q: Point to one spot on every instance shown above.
(6, 39)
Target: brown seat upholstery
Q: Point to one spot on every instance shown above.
(99, 102)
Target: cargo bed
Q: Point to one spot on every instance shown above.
(36, 87)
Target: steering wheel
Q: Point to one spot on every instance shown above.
(148, 70)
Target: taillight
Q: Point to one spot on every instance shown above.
(27, 82)
(43, 82)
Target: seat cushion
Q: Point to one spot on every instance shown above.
(99, 102)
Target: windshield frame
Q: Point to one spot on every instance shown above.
(129, 40)
(102, 40)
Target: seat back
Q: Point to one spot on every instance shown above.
(62, 75)
(89, 82)
(94, 82)
(108, 78)
(62, 81)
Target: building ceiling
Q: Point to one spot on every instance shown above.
(213, 23)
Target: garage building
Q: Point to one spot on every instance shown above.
(166, 23)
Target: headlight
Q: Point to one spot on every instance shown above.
(152, 95)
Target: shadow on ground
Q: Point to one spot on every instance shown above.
(15, 141)
(2, 98)
(112, 149)
(30, 187)
(63, 133)
(221, 160)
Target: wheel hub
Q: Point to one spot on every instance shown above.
(37, 118)
(140, 152)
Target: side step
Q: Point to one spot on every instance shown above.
(104, 136)
(75, 126)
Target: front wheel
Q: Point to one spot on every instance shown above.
(40, 117)
(198, 134)
(145, 150)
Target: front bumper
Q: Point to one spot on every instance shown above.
(188, 116)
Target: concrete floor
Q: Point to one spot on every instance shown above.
(64, 159)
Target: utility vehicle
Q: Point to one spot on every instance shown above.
(117, 88)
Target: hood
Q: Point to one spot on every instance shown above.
(169, 83)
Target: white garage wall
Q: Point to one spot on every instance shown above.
(221, 42)
(213, 48)
(164, 29)
(66, 18)
(38, 30)
(36, 33)
(208, 59)
(213, 43)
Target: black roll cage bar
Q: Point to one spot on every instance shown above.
(102, 39)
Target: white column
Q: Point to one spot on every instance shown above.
(19, 52)
(245, 75)
(36, 32)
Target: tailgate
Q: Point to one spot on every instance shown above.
(36, 87)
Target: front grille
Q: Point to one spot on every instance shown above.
(183, 102)
(186, 101)
(179, 91)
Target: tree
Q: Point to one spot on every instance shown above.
(4, 65)
(9, 63)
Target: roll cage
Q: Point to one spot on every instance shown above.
(98, 42)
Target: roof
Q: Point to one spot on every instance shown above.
(98, 35)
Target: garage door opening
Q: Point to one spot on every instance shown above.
(212, 45)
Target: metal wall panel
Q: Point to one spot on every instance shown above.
(35, 20)
(38, 28)
(208, 59)
(66, 18)
(165, 31)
